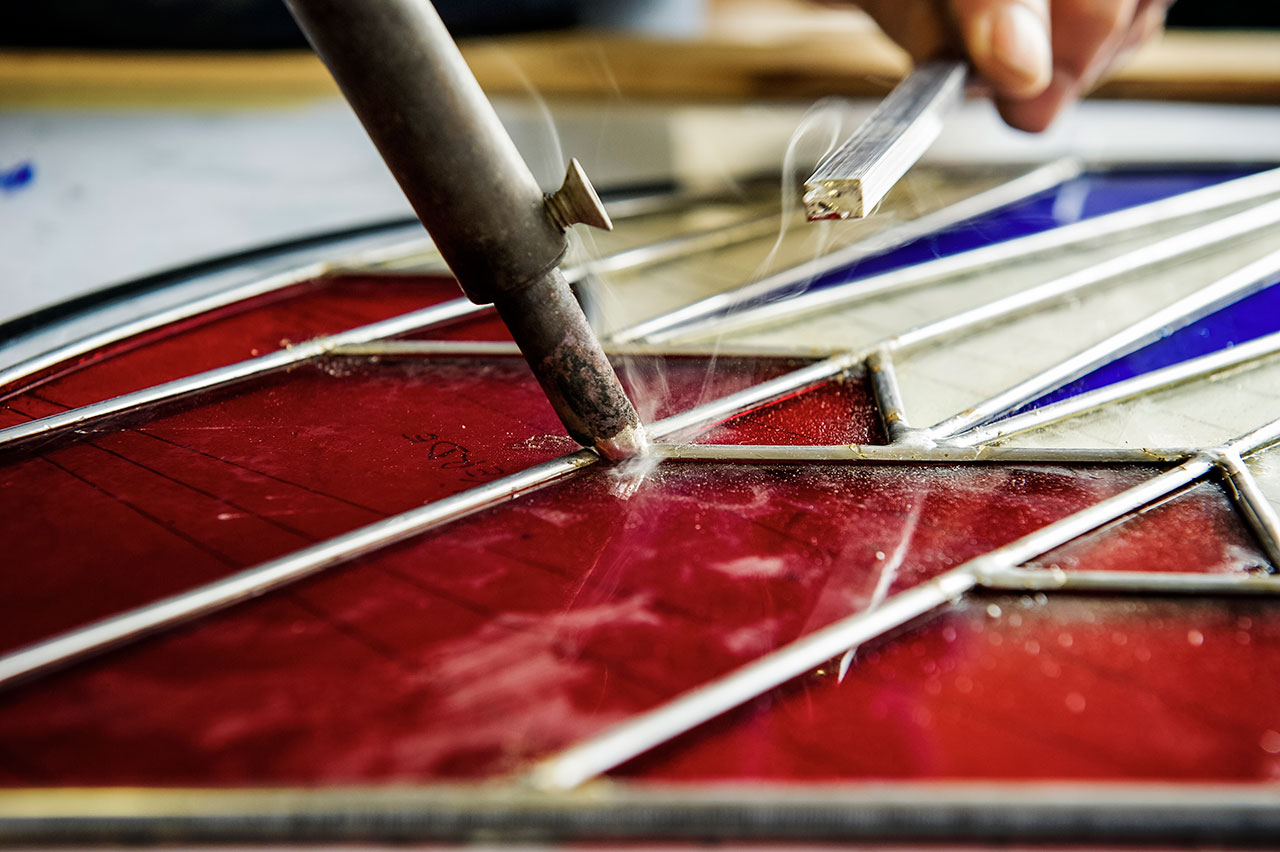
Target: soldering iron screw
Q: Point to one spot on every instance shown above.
(576, 201)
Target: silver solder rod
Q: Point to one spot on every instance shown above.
(400, 70)
(851, 182)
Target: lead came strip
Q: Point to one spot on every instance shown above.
(287, 275)
(279, 360)
(851, 182)
(117, 630)
(914, 454)
(1046, 813)
(884, 383)
(1257, 510)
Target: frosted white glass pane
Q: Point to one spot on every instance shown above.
(1266, 469)
(625, 298)
(1204, 413)
(942, 381)
(881, 318)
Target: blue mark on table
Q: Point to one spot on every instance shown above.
(17, 177)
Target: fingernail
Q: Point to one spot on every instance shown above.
(1020, 42)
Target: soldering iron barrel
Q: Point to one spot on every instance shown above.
(403, 75)
(405, 78)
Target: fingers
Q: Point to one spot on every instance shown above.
(1037, 56)
(1086, 37)
(1008, 42)
(1147, 24)
(1036, 114)
(921, 27)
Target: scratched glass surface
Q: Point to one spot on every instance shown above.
(1195, 529)
(835, 412)
(1034, 686)
(169, 498)
(1069, 688)
(472, 649)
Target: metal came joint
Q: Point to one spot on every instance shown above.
(1224, 458)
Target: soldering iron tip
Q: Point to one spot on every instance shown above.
(630, 442)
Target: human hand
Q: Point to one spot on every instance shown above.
(1037, 56)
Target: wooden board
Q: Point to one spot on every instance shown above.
(733, 64)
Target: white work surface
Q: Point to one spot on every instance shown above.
(118, 194)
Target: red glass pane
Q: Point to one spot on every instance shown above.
(235, 333)
(836, 412)
(1069, 688)
(171, 498)
(480, 326)
(1036, 686)
(336, 303)
(191, 494)
(1194, 530)
(467, 651)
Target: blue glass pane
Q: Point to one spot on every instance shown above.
(1089, 195)
(1249, 318)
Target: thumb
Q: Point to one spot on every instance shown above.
(1008, 42)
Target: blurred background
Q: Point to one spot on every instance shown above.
(264, 24)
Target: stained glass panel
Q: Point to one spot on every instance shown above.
(461, 594)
